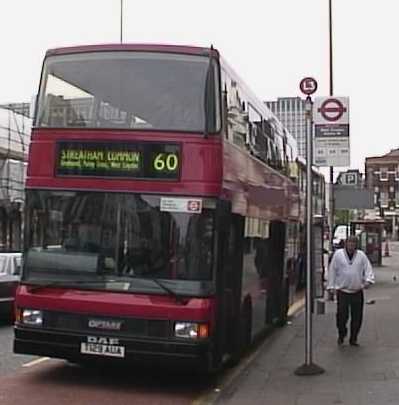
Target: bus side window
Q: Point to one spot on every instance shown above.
(237, 117)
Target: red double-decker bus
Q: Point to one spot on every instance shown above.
(161, 219)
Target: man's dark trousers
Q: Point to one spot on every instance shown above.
(352, 302)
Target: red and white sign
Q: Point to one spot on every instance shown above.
(331, 110)
(331, 140)
(308, 86)
(190, 205)
(194, 205)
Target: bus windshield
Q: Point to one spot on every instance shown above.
(113, 240)
(130, 90)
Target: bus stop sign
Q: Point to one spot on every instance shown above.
(308, 85)
(332, 109)
(331, 131)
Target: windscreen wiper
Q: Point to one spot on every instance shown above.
(172, 293)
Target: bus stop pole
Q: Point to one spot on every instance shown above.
(309, 368)
(331, 202)
(121, 21)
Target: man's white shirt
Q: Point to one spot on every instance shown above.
(349, 275)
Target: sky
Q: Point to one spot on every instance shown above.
(272, 44)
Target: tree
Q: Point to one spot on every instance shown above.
(344, 216)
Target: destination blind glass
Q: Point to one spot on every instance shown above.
(145, 160)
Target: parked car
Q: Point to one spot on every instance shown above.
(10, 270)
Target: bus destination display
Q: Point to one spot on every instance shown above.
(142, 160)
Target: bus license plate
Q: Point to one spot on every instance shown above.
(102, 350)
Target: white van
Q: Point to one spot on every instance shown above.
(341, 232)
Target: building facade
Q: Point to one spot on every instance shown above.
(382, 176)
(15, 131)
(291, 112)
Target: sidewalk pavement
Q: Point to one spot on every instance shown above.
(363, 375)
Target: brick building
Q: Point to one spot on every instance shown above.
(382, 176)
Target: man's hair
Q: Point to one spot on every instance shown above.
(352, 238)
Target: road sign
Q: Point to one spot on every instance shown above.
(332, 152)
(350, 178)
(331, 142)
(308, 86)
(352, 197)
(331, 110)
(191, 205)
(332, 131)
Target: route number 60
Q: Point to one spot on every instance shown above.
(166, 162)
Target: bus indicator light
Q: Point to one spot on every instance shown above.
(203, 331)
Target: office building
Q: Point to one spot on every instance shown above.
(291, 112)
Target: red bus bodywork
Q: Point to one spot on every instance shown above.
(211, 167)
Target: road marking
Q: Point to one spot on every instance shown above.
(35, 362)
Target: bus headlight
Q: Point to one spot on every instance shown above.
(32, 317)
(191, 330)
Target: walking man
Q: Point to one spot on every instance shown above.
(349, 273)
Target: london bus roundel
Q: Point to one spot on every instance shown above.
(308, 85)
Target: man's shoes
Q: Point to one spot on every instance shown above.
(354, 343)
(340, 341)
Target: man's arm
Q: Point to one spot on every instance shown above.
(368, 274)
(332, 273)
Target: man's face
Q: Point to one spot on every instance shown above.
(350, 245)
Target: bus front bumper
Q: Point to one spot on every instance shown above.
(67, 345)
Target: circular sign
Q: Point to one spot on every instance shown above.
(193, 206)
(332, 109)
(308, 86)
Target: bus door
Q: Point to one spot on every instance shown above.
(277, 299)
(228, 278)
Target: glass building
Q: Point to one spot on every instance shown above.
(291, 112)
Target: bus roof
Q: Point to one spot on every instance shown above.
(193, 50)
